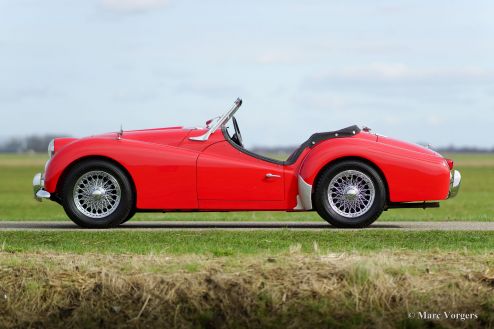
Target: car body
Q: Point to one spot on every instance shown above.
(179, 169)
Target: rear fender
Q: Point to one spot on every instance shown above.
(410, 176)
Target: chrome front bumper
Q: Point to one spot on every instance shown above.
(455, 184)
(38, 188)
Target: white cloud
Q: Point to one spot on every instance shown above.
(380, 71)
(324, 101)
(278, 57)
(392, 120)
(435, 120)
(208, 88)
(319, 52)
(397, 72)
(134, 5)
(393, 9)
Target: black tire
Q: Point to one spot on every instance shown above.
(120, 209)
(371, 208)
(129, 217)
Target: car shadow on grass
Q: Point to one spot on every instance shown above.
(186, 225)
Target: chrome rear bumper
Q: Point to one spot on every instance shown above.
(455, 184)
(38, 188)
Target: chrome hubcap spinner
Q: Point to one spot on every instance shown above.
(97, 194)
(351, 193)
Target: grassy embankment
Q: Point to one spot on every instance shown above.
(290, 290)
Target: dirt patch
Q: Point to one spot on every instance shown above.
(289, 291)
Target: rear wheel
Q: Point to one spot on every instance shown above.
(97, 194)
(350, 194)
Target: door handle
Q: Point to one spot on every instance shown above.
(272, 176)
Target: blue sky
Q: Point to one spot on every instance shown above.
(421, 71)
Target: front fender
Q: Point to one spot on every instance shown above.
(164, 176)
(411, 176)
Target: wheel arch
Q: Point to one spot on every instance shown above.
(69, 167)
(351, 158)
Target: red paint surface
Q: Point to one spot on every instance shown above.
(225, 173)
(412, 173)
(172, 172)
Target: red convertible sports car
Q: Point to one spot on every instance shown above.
(349, 176)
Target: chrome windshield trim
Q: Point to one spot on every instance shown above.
(223, 120)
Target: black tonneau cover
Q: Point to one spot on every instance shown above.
(320, 137)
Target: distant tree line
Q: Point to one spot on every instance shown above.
(29, 144)
(466, 149)
(449, 149)
(39, 143)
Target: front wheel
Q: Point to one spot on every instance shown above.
(350, 194)
(97, 194)
(129, 216)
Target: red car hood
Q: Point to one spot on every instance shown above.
(406, 145)
(166, 136)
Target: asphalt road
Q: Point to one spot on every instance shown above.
(162, 225)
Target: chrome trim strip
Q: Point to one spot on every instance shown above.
(455, 184)
(304, 197)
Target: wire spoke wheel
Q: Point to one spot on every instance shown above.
(351, 193)
(97, 194)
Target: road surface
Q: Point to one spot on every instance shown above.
(182, 225)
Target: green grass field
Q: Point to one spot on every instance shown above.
(474, 203)
(238, 243)
(246, 279)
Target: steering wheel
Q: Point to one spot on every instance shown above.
(238, 135)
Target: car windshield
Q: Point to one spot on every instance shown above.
(228, 115)
(213, 125)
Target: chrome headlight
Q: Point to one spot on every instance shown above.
(51, 148)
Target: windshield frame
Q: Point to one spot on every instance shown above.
(219, 123)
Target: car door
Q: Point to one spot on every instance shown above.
(225, 173)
